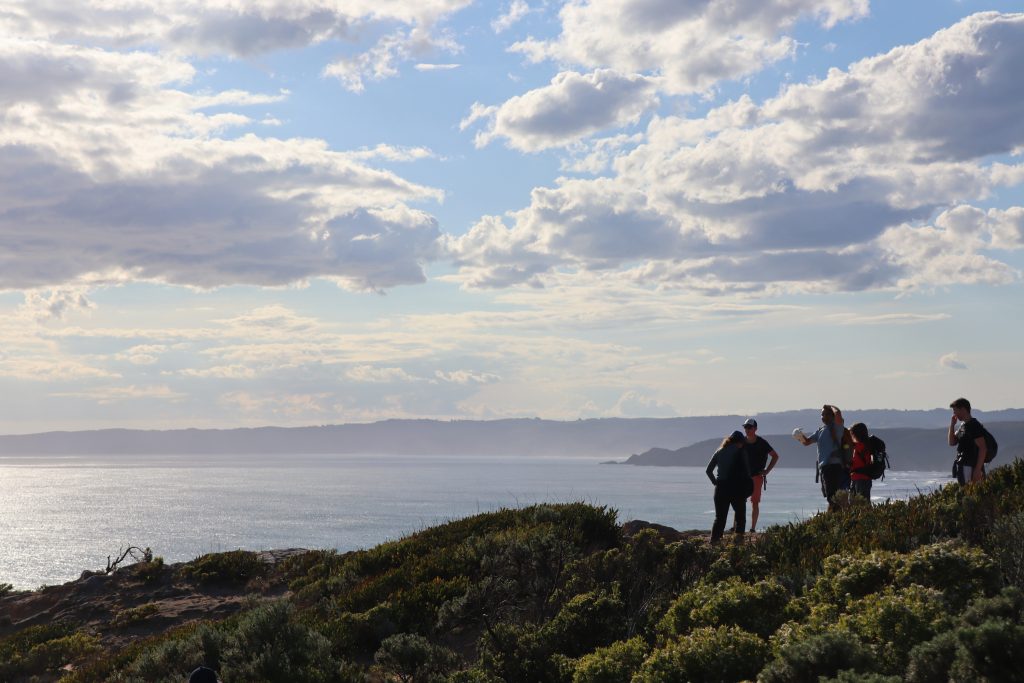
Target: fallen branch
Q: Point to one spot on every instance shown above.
(136, 553)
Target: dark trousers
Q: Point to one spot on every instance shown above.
(862, 487)
(833, 478)
(724, 499)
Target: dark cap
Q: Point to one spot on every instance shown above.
(203, 675)
(751, 422)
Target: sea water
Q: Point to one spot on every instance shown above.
(65, 514)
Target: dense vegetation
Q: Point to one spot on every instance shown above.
(924, 590)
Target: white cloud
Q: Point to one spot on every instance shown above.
(436, 67)
(517, 9)
(116, 394)
(55, 304)
(383, 59)
(214, 26)
(369, 373)
(111, 173)
(573, 106)
(636, 404)
(692, 45)
(826, 187)
(952, 361)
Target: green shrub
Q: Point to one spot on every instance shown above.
(585, 622)
(236, 566)
(149, 572)
(170, 659)
(516, 654)
(958, 570)
(758, 608)
(134, 615)
(1005, 544)
(411, 658)
(724, 654)
(895, 621)
(613, 664)
(820, 655)
(6, 589)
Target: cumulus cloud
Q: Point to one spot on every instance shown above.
(692, 45)
(837, 184)
(573, 106)
(55, 304)
(515, 12)
(383, 59)
(109, 171)
(636, 404)
(952, 361)
(213, 26)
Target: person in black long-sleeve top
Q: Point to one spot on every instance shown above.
(733, 485)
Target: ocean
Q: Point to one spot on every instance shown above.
(65, 514)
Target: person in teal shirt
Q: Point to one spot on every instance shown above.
(833, 465)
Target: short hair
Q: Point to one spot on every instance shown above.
(961, 403)
(827, 409)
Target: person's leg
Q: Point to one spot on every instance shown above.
(755, 501)
(862, 487)
(833, 478)
(721, 512)
(739, 513)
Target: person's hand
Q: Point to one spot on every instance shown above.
(838, 414)
(952, 420)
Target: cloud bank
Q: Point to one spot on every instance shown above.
(844, 184)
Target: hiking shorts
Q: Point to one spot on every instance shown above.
(755, 497)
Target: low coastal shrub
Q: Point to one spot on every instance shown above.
(758, 608)
(725, 654)
(413, 658)
(615, 663)
(820, 655)
(236, 566)
(134, 615)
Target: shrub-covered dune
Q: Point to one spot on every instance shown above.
(928, 589)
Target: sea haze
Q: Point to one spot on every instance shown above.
(66, 514)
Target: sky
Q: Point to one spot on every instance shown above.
(226, 214)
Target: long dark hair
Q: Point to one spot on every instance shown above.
(860, 432)
(732, 438)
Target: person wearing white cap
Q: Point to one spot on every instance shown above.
(758, 451)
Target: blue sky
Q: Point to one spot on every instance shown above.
(218, 214)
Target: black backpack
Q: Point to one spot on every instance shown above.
(879, 459)
(991, 447)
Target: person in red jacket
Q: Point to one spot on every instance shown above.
(860, 483)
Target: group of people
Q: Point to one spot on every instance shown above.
(739, 467)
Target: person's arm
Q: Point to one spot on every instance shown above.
(808, 440)
(951, 439)
(775, 458)
(839, 420)
(979, 464)
(711, 468)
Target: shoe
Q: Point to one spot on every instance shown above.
(753, 530)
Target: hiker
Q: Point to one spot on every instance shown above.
(860, 465)
(203, 675)
(969, 439)
(733, 485)
(832, 461)
(758, 451)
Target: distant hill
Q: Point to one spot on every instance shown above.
(610, 437)
(909, 449)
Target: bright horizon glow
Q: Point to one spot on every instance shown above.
(337, 211)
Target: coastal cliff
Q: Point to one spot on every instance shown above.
(924, 589)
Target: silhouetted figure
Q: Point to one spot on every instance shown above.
(733, 485)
